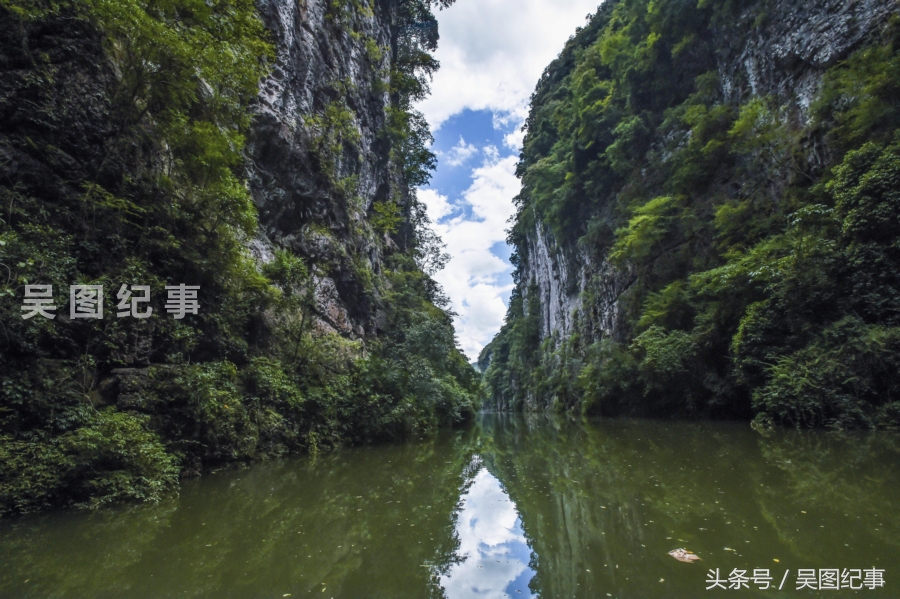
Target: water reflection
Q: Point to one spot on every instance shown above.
(603, 504)
(367, 522)
(493, 554)
(518, 506)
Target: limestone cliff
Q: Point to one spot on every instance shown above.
(266, 154)
(646, 103)
(784, 58)
(323, 60)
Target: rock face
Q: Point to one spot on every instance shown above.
(787, 56)
(786, 59)
(777, 50)
(561, 274)
(552, 271)
(325, 61)
(264, 154)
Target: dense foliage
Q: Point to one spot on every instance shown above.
(758, 243)
(121, 144)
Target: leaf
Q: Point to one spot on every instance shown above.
(683, 555)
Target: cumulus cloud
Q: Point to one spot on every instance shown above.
(460, 153)
(436, 204)
(514, 139)
(492, 53)
(471, 277)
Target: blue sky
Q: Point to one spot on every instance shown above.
(492, 53)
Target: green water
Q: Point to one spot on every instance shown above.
(514, 507)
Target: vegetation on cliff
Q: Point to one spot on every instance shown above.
(759, 240)
(122, 127)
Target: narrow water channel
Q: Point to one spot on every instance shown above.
(516, 506)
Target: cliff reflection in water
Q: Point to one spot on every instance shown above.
(517, 506)
(602, 504)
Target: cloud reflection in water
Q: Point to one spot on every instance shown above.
(492, 545)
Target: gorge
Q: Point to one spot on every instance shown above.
(706, 229)
(227, 368)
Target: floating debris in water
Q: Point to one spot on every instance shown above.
(683, 555)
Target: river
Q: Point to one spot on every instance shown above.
(515, 506)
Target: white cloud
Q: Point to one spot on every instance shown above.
(514, 140)
(492, 53)
(492, 153)
(436, 204)
(471, 277)
(460, 153)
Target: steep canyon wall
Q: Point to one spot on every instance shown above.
(641, 125)
(265, 152)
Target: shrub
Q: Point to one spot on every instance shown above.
(112, 458)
